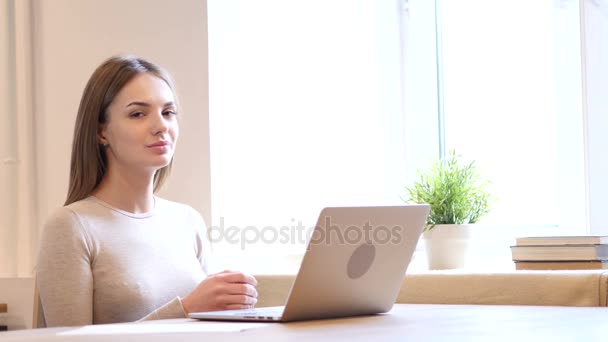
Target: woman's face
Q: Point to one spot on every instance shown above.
(141, 128)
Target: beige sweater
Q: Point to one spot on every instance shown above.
(98, 264)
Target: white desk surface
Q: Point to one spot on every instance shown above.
(406, 322)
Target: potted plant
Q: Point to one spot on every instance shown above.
(458, 198)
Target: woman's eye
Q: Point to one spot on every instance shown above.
(169, 112)
(136, 115)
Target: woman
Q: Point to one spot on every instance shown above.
(116, 252)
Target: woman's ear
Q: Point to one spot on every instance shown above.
(101, 135)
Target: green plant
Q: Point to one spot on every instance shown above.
(454, 190)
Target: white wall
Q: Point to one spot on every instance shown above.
(48, 50)
(72, 37)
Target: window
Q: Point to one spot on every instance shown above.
(319, 103)
(512, 100)
(305, 112)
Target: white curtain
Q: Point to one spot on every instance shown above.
(18, 221)
(595, 74)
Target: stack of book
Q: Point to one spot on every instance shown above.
(560, 253)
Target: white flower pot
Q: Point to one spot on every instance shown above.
(447, 245)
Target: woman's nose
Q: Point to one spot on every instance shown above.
(159, 124)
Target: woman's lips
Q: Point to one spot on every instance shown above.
(160, 147)
(160, 143)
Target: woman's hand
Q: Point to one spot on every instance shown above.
(228, 290)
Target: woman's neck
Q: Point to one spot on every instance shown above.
(128, 191)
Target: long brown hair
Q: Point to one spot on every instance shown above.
(89, 161)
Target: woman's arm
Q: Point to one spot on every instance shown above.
(202, 245)
(202, 249)
(63, 271)
(221, 291)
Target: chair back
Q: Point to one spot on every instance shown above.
(38, 319)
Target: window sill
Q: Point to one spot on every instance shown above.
(489, 251)
(484, 256)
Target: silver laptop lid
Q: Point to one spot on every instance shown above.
(355, 261)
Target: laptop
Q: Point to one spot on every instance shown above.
(354, 264)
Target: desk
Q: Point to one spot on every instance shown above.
(411, 322)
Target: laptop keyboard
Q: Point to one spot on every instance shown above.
(274, 311)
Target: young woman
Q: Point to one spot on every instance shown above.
(116, 252)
